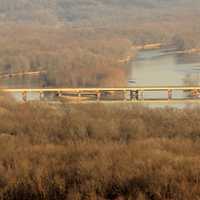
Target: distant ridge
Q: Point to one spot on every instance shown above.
(88, 11)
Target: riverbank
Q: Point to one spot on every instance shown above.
(131, 54)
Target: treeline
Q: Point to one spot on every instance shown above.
(98, 152)
(71, 57)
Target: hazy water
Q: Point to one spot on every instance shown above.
(158, 67)
(164, 68)
(23, 82)
(151, 68)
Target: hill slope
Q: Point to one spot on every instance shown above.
(91, 11)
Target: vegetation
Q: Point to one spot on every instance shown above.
(98, 152)
(69, 58)
(79, 43)
(94, 152)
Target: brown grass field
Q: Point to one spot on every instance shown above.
(96, 152)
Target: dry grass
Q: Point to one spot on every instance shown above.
(98, 152)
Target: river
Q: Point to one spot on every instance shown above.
(163, 67)
(160, 67)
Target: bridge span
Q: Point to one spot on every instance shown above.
(147, 94)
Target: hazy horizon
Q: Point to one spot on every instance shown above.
(95, 12)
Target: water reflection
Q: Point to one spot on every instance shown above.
(22, 82)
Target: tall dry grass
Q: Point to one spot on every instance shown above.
(98, 152)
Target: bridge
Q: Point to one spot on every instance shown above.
(149, 94)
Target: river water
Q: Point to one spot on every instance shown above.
(160, 67)
(164, 68)
(23, 82)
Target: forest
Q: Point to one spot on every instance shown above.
(79, 43)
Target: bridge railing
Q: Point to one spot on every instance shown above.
(135, 94)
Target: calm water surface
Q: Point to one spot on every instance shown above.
(23, 82)
(160, 67)
(164, 68)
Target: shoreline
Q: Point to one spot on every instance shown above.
(134, 49)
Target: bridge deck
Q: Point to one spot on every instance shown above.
(144, 88)
(134, 94)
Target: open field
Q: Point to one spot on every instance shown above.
(98, 152)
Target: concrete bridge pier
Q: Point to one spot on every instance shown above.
(41, 95)
(169, 93)
(98, 95)
(24, 96)
(141, 95)
(79, 95)
(134, 95)
(125, 95)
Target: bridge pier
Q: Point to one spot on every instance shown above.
(195, 93)
(79, 95)
(125, 99)
(41, 95)
(98, 96)
(134, 95)
(131, 95)
(141, 94)
(169, 94)
(24, 96)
